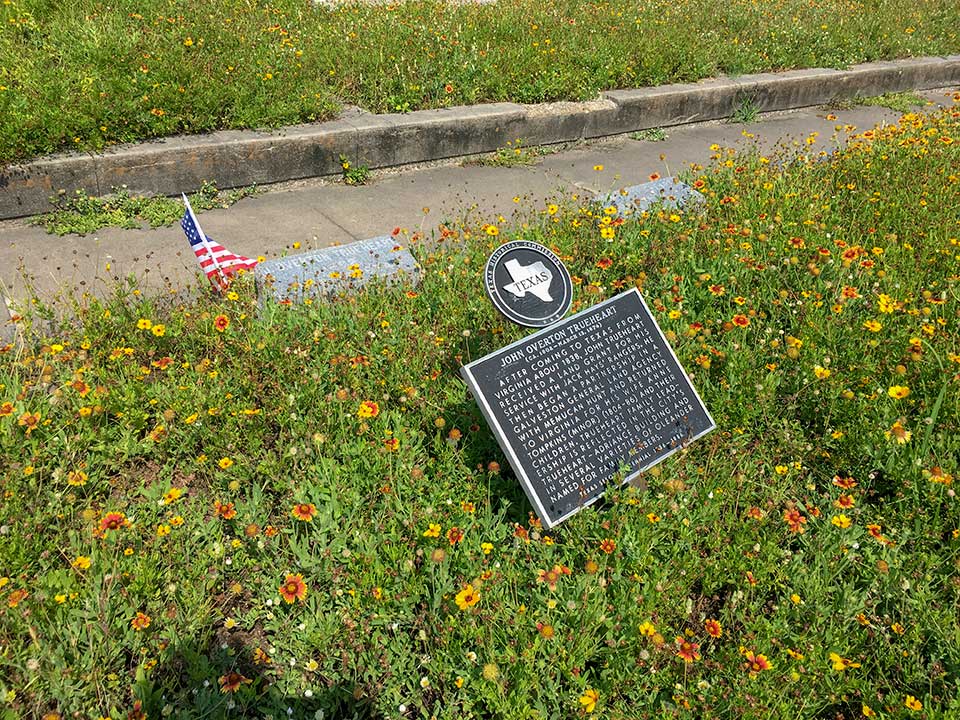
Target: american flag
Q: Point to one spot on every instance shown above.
(217, 263)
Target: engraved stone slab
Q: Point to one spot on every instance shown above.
(637, 198)
(336, 269)
(573, 404)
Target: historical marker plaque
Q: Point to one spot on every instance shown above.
(575, 402)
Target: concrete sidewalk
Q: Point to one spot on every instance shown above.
(317, 213)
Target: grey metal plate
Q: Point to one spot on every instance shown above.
(638, 198)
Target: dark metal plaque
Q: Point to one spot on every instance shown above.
(528, 284)
(574, 403)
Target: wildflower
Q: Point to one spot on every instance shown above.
(756, 663)
(647, 629)
(76, 478)
(144, 324)
(546, 631)
(822, 373)
(795, 521)
(608, 545)
(140, 622)
(898, 392)
(886, 304)
(486, 547)
(221, 323)
(898, 628)
(872, 326)
(607, 233)
(550, 577)
(845, 482)
(391, 444)
(687, 650)
(163, 530)
(898, 433)
(491, 230)
(590, 697)
(232, 681)
(31, 421)
(172, 495)
(225, 463)
(159, 329)
(113, 521)
(841, 663)
(368, 409)
(490, 671)
(840, 521)
(911, 703)
(6, 409)
(468, 507)
(868, 712)
(227, 511)
(845, 502)
(740, 320)
(598, 168)
(293, 588)
(16, 597)
(304, 511)
(552, 209)
(713, 628)
(432, 531)
(467, 597)
(81, 563)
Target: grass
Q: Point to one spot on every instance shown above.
(903, 102)
(746, 111)
(83, 214)
(650, 135)
(514, 154)
(211, 510)
(86, 75)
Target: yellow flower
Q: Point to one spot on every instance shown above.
(841, 663)
(486, 547)
(589, 699)
(898, 433)
(607, 233)
(225, 463)
(163, 530)
(841, 521)
(822, 373)
(647, 629)
(82, 562)
(913, 704)
(872, 326)
(868, 712)
(467, 598)
(898, 392)
(144, 324)
(159, 330)
(598, 168)
(172, 495)
(432, 531)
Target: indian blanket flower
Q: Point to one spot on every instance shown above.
(552, 576)
(608, 545)
(77, 478)
(368, 409)
(686, 650)
(140, 622)
(898, 433)
(304, 511)
(713, 628)
(221, 323)
(794, 519)
(30, 421)
(756, 663)
(467, 597)
(590, 697)
(845, 482)
(227, 511)
(454, 535)
(740, 320)
(232, 681)
(293, 588)
(16, 597)
(113, 521)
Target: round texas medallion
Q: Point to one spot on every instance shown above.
(528, 284)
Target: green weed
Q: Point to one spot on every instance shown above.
(83, 214)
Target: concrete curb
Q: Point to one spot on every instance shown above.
(240, 158)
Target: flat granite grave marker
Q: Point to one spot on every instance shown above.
(637, 198)
(335, 269)
(576, 402)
